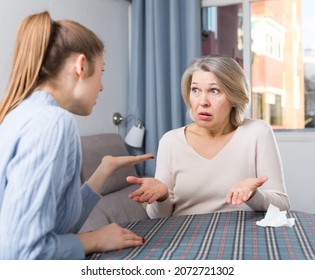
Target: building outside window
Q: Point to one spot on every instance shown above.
(279, 52)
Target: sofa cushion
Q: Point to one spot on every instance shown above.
(94, 148)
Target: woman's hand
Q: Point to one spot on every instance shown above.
(114, 163)
(150, 190)
(109, 165)
(109, 237)
(244, 190)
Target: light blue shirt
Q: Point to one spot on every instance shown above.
(42, 203)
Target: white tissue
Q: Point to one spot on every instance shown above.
(275, 218)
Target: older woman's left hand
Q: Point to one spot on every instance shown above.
(244, 190)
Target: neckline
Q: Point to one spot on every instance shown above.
(235, 132)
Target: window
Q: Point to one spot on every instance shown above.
(279, 53)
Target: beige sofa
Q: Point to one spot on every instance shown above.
(114, 206)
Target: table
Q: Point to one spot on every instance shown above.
(220, 236)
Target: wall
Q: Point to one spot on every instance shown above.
(108, 19)
(297, 151)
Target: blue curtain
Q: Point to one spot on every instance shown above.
(165, 36)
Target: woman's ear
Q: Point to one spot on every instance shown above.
(80, 65)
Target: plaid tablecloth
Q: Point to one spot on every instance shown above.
(226, 235)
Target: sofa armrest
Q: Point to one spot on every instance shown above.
(94, 148)
(115, 207)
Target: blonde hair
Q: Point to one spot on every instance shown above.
(41, 49)
(231, 78)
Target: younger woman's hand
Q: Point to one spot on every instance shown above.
(114, 163)
(109, 165)
(109, 237)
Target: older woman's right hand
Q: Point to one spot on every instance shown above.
(150, 190)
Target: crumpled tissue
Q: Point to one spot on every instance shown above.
(275, 218)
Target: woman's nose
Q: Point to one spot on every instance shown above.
(204, 99)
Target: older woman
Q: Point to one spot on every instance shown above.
(221, 161)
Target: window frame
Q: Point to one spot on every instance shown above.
(285, 135)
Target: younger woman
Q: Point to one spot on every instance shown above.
(57, 69)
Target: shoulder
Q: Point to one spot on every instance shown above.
(40, 119)
(172, 139)
(48, 115)
(173, 135)
(255, 125)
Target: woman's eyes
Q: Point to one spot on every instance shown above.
(195, 90)
(213, 91)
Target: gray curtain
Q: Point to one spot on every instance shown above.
(165, 36)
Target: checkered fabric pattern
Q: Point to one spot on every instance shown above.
(220, 236)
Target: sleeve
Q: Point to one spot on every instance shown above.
(89, 200)
(268, 163)
(164, 174)
(39, 178)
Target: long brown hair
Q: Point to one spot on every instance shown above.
(41, 48)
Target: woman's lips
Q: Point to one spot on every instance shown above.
(204, 116)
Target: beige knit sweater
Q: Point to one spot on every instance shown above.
(198, 185)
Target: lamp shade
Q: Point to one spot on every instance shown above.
(134, 137)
